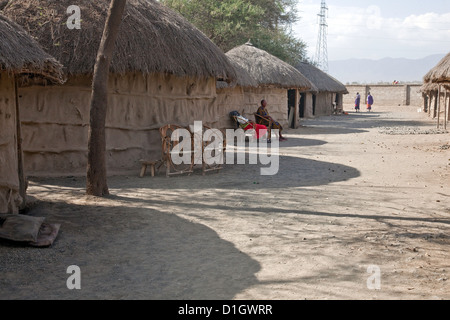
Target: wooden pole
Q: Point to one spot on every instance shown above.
(445, 110)
(20, 170)
(448, 112)
(435, 103)
(439, 105)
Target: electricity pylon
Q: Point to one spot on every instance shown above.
(321, 57)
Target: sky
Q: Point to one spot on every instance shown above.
(379, 29)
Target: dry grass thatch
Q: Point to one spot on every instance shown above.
(152, 38)
(429, 87)
(440, 73)
(21, 54)
(266, 69)
(322, 81)
(243, 78)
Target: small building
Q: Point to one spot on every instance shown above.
(164, 71)
(21, 60)
(328, 96)
(261, 76)
(435, 90)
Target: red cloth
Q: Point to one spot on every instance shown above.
(259, 128)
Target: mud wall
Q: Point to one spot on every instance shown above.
(247, 101)
(386, 95)
(10, 199)
(55, 120)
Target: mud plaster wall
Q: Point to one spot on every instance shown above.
(394, 95)
(9, 179)
(247, 101)
(55, 120)
(324, 103)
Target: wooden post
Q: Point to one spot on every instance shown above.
(448, 112)
(445, 110)
(20, 170)
(435, 103)
(439, 105)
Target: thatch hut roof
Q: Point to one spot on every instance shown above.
(152, 38)
(21, 54)
(266, 69)
(440, 73)
(243, 78)
(322, 81)
(429, 87)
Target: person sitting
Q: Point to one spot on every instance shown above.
(246, 124)
(265, 119)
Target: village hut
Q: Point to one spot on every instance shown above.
(429, 92)
(20, 57)
(263, 76)
(164, 71)
(326, 99)
(436, 83)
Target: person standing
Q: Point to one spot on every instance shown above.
(357, 102)
(369, 102)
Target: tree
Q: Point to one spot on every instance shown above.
(96, 184)
(229, 23)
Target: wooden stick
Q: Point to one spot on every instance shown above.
(439, 105)
(20, 169)
(445, 110)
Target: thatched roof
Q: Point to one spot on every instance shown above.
(429, 87)
(266, 69)
(21, 54)
(152, 38)
(440, 73)
(433, 88)
(322, 81)
(243, 78)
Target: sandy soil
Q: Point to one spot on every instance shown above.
(352, 191)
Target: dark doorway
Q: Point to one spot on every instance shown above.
(291, 106)
(314, 104)
(302, 105)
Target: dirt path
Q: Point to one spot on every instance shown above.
(352, 192)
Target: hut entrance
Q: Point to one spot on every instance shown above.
(314, 104)
(302, 105)
(291, 107)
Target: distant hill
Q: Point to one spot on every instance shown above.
(384, 70)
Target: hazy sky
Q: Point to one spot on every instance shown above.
(378, 29)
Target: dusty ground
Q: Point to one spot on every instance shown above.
(352, 191)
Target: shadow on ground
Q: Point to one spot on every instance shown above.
(234, 176)
(136, 254)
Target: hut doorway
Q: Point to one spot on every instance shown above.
(314, 104)
(291, 107)
(302, 105)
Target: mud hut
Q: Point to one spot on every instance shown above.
(164, 70)
(437, 84)
(327, 97)
(20, 58)
(271, 77)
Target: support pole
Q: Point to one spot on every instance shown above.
(20, 169)
(439, 106)
(445, 110)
